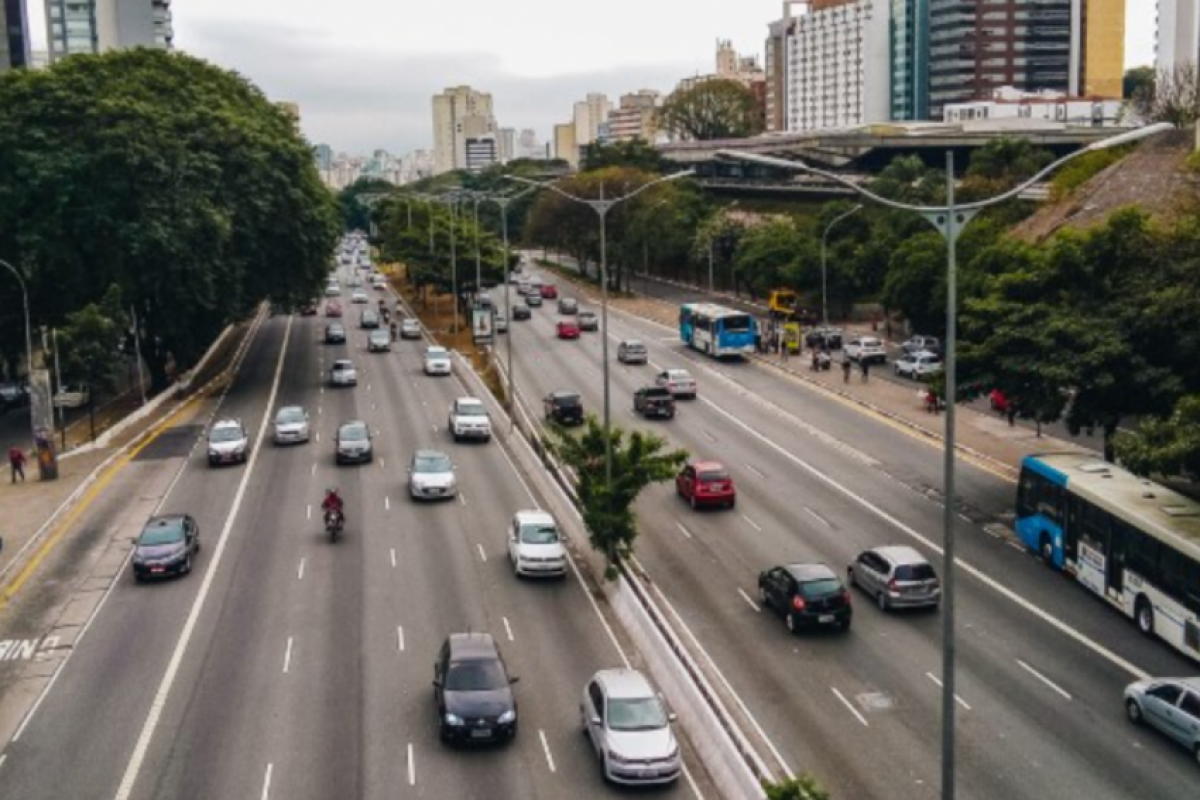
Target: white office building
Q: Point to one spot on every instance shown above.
(837, 64)
(96, 26)
(1178, 39)
(588, 116)
(460, 115)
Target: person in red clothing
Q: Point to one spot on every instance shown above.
(16, 463)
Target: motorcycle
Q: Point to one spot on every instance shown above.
(334, 522)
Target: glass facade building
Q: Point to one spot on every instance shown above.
(908, 34)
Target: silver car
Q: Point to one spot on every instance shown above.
(228, 442)
(1171, 705)
(291, 425)
(343, 373)
(631, 351)
(410, 329)
(379, 341)
(352, 444)
(630, 728)
(437, 361)
(897, 576)
(431, 476)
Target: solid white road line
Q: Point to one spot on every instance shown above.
(125, 788)
(393, 558)
(752, 523)
(682, 529)
(3, 758)
(957, 699)
(817, 517)
(508, 629)
(382, 462)
(266, 790)
(748, 599)
(387, 503)
(400, 638)
(318, 436)
(482, 554)
(1044, 679)
(412, 767)
(287, 657)
(314, 470)
(848, 705)
(308, 510)
(546, 750)
(300, 571)
(756, 472)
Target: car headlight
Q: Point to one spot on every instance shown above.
(138, 558)
(616, 757)
(453, 720)
(507, 717)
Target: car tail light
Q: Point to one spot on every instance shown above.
(846, 596)
(892, 587)
(798, 603)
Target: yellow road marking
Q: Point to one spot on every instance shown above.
(101, 483)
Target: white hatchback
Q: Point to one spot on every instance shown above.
(867, 349)
(918, 365)
(535, 546)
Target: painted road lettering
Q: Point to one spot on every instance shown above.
(27, 649)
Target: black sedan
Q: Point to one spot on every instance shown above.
(166, 547)
(564, 407)
(806, 595)
(521, 312)
(473, 692)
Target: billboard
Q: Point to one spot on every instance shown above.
(482, 325)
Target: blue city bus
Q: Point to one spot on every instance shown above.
(1134, 543)
(716, 330)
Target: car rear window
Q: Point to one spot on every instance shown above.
(709, 476)
(820, 587)
(915, 572)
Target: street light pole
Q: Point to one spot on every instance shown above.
(478, 260)
(950, 220)
(824, 238)
(28, 342)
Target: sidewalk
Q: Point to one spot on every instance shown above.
(984, 436)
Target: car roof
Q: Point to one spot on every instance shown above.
(472, 645)
(343, 362)
(564, 393)
(357, 423)
(631, 342)
(164, 521)
(533, 515)
(467, 399)
(900, 554)
(677, 371)
(429, 454)
(226, 423)
(706, 465)
(624, 683)
(587, 312)
(810, 571)
(436, 349)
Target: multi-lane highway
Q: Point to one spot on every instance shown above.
(1041, 664)
(290, 667)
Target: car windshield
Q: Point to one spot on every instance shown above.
(538, 533)
(230, 434)
(636, 714)
(431, 463)
(711, 475)
(436, 352)
(338, 366)
(819, 587)
(566, 400)
(167, 532)
(471, 409)
(379, 336)
(356, 432)
(915, 572)
(477, 675)
(290, 414)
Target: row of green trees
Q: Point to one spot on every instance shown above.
(174, 181)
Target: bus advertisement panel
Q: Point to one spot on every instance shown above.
(716, 330)
(1132, 542)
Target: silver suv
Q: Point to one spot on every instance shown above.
(898, 576)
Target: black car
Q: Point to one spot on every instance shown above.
(827, 338)
(521, 312)
(564, 407)
(166, 547)
(473, 691)
(335, 333)
(654, 401)
(12, 396)
(807, 595)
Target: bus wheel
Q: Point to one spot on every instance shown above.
(1046, 550)
(1143, 612)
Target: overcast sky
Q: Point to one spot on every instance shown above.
(364, 71)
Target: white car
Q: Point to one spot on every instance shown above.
(631, 351)
(228, 443)
(333, 290)
(359, 296)
(918, 365)
(630, 729)
(678, 381)
(501, 322)
(469, 420)
(343, 373)
(867, 349)
(291, 425)
(410, 328)
(535, 546)
(1171, 705)
(437, 360)
(72, 397)
(431, 476)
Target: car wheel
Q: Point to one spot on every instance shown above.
(881, 600)
(790, 621)
(1133, 711)
(1144, 614)
(1046, 550)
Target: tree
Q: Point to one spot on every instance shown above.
(916, 281)
(87, 346)
(177, 181)
(802, 787)
(636, 153)
(638, 460)
(356, 215)
(712, 109)
(1173, 96)
(1137, 79)
(1165, 446)
(769, 255)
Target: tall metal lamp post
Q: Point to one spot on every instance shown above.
(602, 206)
(28, 340)
(950, 220)
(824, 283)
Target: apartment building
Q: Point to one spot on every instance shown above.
(14, 35)
(96, 26)
(635, 117)
(462, 115)
(588, 115)
(565, 145)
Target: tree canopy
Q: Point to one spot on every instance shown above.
(174, 180)
(712, 109)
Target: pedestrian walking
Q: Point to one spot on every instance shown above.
(16, 463)
(865, 366)
(931, 401)
(845, 370)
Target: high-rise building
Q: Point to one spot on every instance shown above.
(635, 117)
(14, 35)
(324, 155)
(1103, 49)
(506, 140)
(909, 59)
(95, 26)
(837, 65)
(588, 115)
(565, 146)
(460, 114)
(528, 146)
(775, 64)
(1178, 37)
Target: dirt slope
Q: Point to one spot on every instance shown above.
(1154, 177)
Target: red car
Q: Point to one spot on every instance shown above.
(333, 309)
(568, 329)
(549, 291)
(706, 483)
